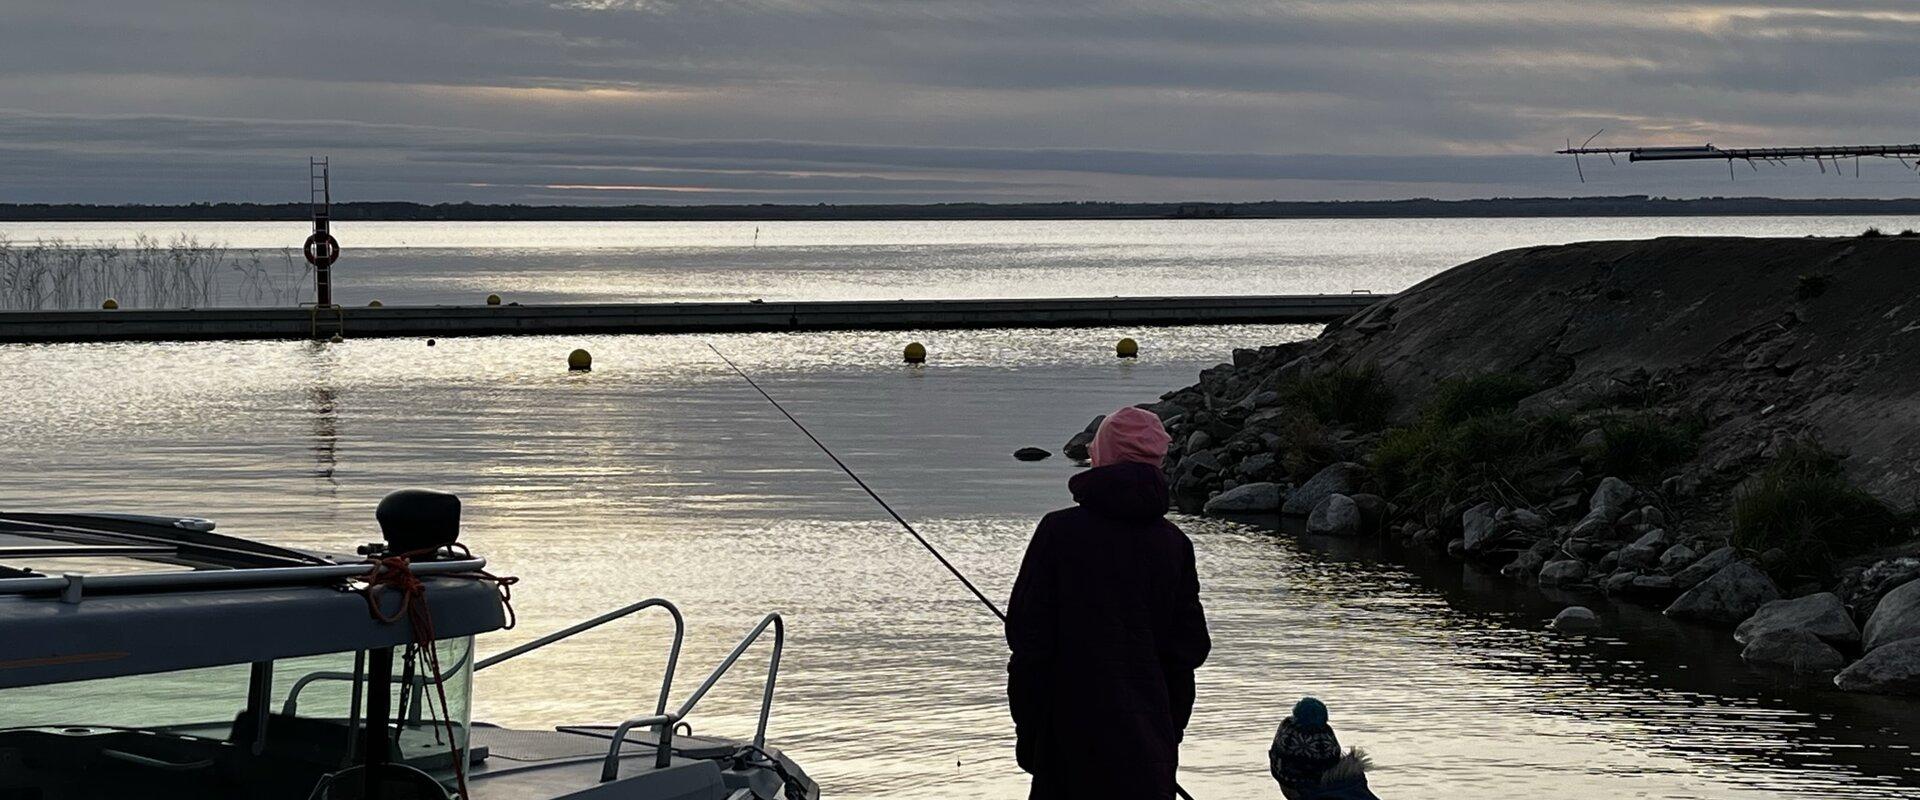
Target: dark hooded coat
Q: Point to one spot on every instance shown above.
(1106, 630)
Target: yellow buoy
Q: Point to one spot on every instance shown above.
(1127, 348)
(916, 353)
(493, 299)
(580, 361)
(374, 304)
(110, 304)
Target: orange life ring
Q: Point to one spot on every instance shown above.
(322, 250)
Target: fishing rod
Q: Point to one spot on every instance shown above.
(1177, 789)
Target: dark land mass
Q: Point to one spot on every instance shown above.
(1726, 429)
(1621, 206)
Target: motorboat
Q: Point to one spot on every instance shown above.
(151, 657)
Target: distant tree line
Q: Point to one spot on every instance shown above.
(1621, 206)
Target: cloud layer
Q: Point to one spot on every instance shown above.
(896, 101)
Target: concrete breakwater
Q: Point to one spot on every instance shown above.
(510, 319)
(1724, 429)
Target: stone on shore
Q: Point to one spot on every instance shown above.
(1890, 669)
(1792, 649)
(1076, 447)
(1576, 619)
(1250, 498)
(1677, 557)
(1341, 478)
(1896, 618)
(1705, 567)
(1337, 515)
(1613, 495)
(1481, 526)
(1731, 595)
(1821, 615)
(1563, 572)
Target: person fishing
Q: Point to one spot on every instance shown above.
(1106, 628)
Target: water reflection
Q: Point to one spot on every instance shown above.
(660, 473)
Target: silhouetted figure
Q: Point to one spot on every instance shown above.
(1106, 628)
(1306, 758)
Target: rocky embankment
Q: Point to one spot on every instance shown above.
(1728, 429)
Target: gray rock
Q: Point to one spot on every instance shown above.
(1341, 478)
(1480, 527)
(1597, 524)
(1563, 572)
(1576, 619)
(1337, 515)
(1427, 537)
(1613, 494)
(1373, 511)
(1896, 618)
(1619, 583)
(1257, 465)
(1593, 441)
(1030, 454)
(1457, 547)
(1892, 669)
(1652, 515)
(1677, 557)
(1252, 498)
(1200, 440)
(1796, 650)
(1731, 595)
(1640, 557)
(1525, 566)
(1076, 447)
(1651, 588)
(1820, 615)
(1705, 567)
(1609, 562)
(1656, 539)
(1527, 520)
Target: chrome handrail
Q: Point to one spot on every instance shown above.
(610, 767)
(673, 656)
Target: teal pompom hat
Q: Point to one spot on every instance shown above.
(1310, 712)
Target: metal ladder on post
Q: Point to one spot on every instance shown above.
(326, 319)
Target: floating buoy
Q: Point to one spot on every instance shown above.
(336, 339)
(1127, 348)
(580, 361)
(493, 299)
(916, 353)
(374, 304)
(110, 304)
(429, 342)
(1031, 454)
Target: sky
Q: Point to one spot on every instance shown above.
(907, 101)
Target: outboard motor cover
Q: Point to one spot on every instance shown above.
(418, 519)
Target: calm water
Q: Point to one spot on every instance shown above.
(555, 262)
(661, 474)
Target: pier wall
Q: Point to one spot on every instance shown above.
(499, 320)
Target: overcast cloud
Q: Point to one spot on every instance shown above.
(708, 101)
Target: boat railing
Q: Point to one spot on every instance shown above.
(666, 682)
(664, 722)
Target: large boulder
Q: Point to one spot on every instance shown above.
(1706, 567)
(1644, 553)
(1891, 669)
(1337, 515)
(1731, 595)
(1896, 618)
(1480, 526)
(1344, 477)
(1613, 495)
(1821, 615)
(1796, 650)
(1247, 498)
(1677, 557)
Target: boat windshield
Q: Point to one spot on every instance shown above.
(219, 727)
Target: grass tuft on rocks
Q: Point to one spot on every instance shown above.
(1803, 505)
(1644, 445)
(1457, 400)
(1435, 463)
(1355, 396)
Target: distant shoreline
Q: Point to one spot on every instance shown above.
(1542, 207)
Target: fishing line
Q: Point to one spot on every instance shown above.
(863, 485)
(1177, 789)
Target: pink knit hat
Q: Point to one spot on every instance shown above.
(1130, 434)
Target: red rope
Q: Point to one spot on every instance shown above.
(396, 573)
